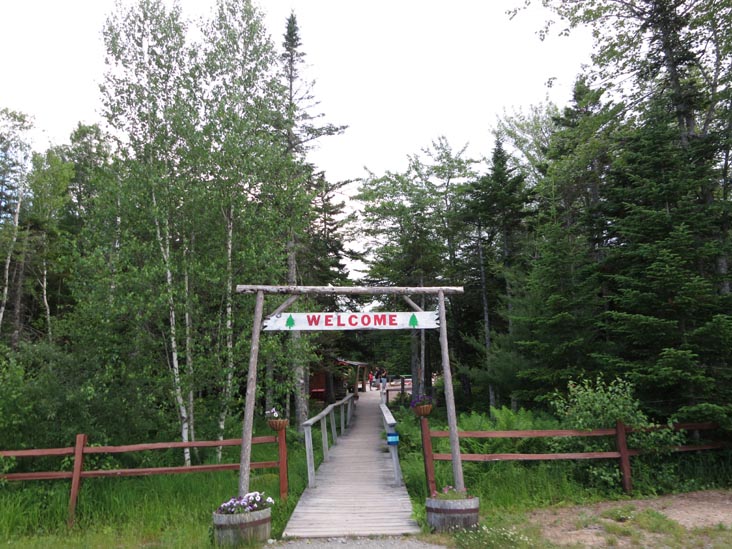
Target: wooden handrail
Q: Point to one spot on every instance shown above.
(346, 410)
(390, 428)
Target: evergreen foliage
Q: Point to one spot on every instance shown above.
(592, 240)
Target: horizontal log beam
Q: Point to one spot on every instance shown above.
(142, 471)
(530, 457)
(43, 475)
(527, 433)
(348, 290)
(42, 452)
(169, 445)
(145, 471)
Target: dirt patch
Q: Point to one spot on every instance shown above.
(595, 525)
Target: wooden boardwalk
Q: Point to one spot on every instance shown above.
(355, 493)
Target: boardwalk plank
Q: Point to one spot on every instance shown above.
(355, 493)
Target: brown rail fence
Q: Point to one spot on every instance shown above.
(80, 449)
(622, 452)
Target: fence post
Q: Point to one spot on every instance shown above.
(429, 464)
(76, 477)
(622, 446)
(282, 463)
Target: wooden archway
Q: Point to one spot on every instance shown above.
(294, 292)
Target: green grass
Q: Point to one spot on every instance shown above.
(175, 510)
(508, 491)
(155, 511)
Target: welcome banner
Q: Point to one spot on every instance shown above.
(352, 321)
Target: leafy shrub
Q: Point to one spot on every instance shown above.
(596, 404)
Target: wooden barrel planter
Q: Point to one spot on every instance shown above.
(449, 514)
(242, 528)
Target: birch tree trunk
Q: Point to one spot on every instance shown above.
(189, 355)
(163, 238)
(229, 378)
(18, 304)
(9, 255)
(44, 295)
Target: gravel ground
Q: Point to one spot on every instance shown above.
(360, 543)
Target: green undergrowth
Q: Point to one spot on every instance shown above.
(158, 511)
(509, 490)
(175, 510)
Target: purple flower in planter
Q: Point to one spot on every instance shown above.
(253, 501)
(421, 400)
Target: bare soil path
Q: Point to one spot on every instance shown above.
(618, 523)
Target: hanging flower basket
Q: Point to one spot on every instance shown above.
(422, 409)
(422, 405)
(274, 420)
(278, 424)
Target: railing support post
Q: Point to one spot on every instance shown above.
(622, 445)
(324, 437)
(333, 426)
(282, 463)
(429, 463)
(390, 428)
(76, 477)
(343, 418)
(309, 455)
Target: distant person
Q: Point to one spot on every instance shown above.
(377, 376)
(383, 378)
(371, 379)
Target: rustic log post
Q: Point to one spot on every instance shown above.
(457, 463)
(76, 477)
(622, 446)
(429, 463)
(282, 463)
(251, 394)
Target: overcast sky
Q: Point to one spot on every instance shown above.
(399, 73)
